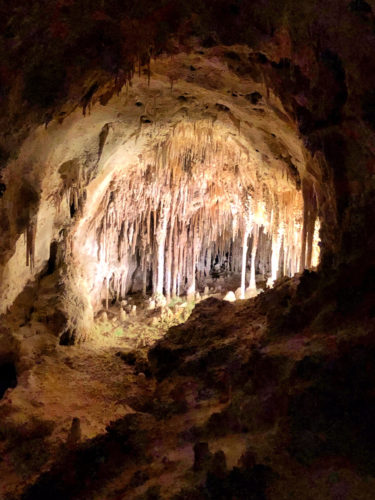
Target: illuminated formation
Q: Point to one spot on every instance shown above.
(168, 190)
(192, 204)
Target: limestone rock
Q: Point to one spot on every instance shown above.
(230, 297)
(250, 293)
(160, 300)
(151, 305)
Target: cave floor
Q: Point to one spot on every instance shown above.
(218, 378)
(88, 383)
(57, 383)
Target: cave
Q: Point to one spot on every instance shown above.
(187, 250)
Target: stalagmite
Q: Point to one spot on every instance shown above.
(230, 297)
(151, 304)
(185, 213)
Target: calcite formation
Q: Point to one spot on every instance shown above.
(190, 202)
(165, 184)
(189, 151)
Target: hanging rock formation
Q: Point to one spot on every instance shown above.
(153, 154)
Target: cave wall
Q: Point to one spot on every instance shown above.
(308, 60)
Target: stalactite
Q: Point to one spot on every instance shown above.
(185, 205)
(310, 230)
(275, 255)
(106, 293)
(30, 244)
(161, 235)
(306, 209)
(316, 244)
(244, 261)
(174, 261)
(254, 248)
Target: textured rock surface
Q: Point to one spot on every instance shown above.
(240, 409)
(299, 52)
(274, 95)
(95, 167)
(290, 92)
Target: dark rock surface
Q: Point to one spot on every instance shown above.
(263, 417)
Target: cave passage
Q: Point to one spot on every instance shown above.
(187, 272)
(194, 212)
(177, 188)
